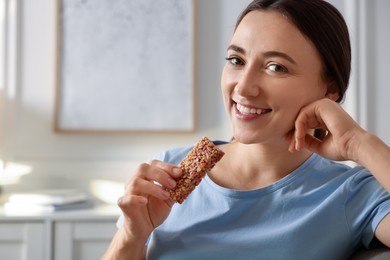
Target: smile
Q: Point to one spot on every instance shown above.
(251, 111)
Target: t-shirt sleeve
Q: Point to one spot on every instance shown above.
(367, 203)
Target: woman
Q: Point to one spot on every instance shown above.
(276, 194)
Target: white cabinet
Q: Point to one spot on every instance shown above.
(22, 240)
(82, 239)
(70, 235)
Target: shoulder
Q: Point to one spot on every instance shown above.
(360, 189)
(318, 167)
(334, 176)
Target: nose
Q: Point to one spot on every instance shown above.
(248, 84)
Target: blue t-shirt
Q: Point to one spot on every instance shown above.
(321, 210)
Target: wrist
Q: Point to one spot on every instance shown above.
(353, 144)
(126, 246)
(367, 147)
(128, 239)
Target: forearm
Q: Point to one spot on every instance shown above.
(124, 247)
(373, 154)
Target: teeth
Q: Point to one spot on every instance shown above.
(247, 110)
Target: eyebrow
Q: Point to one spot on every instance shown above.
(267, 54)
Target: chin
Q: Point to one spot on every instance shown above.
(244, 139)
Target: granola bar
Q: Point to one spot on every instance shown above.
(195, 165)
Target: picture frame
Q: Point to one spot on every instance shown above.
(125, 66)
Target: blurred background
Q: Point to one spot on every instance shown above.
(33, 156)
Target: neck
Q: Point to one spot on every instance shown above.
(255, 165)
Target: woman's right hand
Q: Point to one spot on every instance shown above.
(145, 204)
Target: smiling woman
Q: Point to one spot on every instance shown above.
(278, 192)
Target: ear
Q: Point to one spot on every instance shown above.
(332, 91)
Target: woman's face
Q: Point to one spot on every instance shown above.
(271, 72)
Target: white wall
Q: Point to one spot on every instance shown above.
(368, 93)
(70, 159)
(379, 83)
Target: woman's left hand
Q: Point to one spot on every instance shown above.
(345, 140)
(342, 137)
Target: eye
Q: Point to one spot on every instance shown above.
(235, 61)
(274, 67)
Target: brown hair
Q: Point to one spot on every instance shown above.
(323, 24)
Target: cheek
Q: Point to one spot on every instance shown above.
(227, 83)
(229, 76)
(225, 79)
(301, 94)
(290, 102)
(290, 105)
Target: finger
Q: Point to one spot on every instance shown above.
(127, 202)
(309, 118)
(146, 188)
(290, 137)
(159, 172)
(313, 144)
(171, 169)
(299, 135)
(308, 140)
(300, 130)
(291, 147)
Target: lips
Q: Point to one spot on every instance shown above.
(245, 110)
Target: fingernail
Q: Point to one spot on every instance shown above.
(165, 195)
(297, 148)
(176, 170)
(172, 183)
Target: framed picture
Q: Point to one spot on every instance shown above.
(125, 66)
